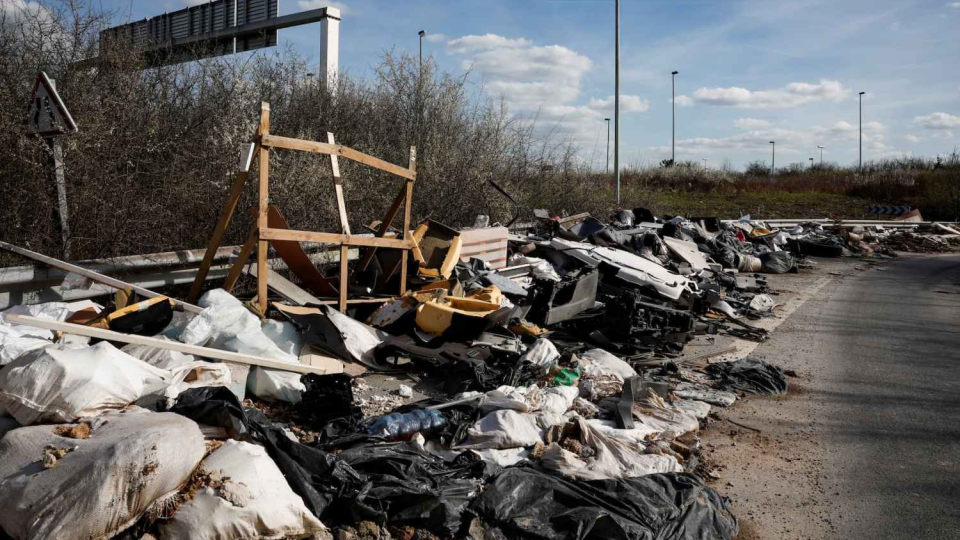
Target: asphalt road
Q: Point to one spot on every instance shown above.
(868, 444)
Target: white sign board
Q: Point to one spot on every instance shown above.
(48, 116)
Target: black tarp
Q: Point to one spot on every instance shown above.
(749, 375)
(525, 503)
(777, 262)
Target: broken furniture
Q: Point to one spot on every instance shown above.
(270, 227)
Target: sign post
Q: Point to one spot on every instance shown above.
(49, 118)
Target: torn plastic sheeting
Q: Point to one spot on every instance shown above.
(526, 503)
(62, 383)
(600, 362)
(762, 303)
(633, 268)
(692, 391)
(133, 462)
(749, 375)
(503, 429)
(253, 501)
(218, 407)
(612, 458)
(543, 353)
(332, 331)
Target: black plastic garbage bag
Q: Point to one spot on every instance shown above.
(214, 406)
(524, 503)
(777, 262)
(749, 375)
(328, 398)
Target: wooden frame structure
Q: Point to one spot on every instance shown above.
(261, 233)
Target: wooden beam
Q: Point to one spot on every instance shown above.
(242, 259)
(263, 203)
(273, 141)
(344, 277)
(406, 222)
(236, 191)
(204, 352)
(338, 187)
(93, 276)
(384, 227)
(333, 238)
(283, 286)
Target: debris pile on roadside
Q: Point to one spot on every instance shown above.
(543, 392)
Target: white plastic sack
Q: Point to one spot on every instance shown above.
(17, 340)
(558, 400)
(255, 501)
(60, 384)
(613, 459)
(159, 358)
(521, 399)
(638, 436)
(226, 324)
(183, 378)
(135, 460)
(543, 353)
(284, 335)
(360, 339)
(600, 362)
(762, 303)
(503, 429)
(698, 409)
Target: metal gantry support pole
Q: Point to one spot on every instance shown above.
(773, 157)
(607, 120)
(861, 131)
(616, 111)
(673, 128)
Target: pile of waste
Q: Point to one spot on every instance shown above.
(555, 403)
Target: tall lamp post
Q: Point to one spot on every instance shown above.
(821, 153)
(422, 34)
(607, 120)
(773, 157)
(673, 131)
(616, 110)
(861, 131)
(704, 163)
(811, 163)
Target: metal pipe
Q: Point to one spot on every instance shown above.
(616, 111)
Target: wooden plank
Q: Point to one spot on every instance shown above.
(273, 141)
(338, 187)
(204, 352)
(407, 208)
(384, 227)
(333, 238)
(93, 276)
(242, 259)
(344, 277)
(297, 260)
(263, 202)
(283, 286)
(236, 191)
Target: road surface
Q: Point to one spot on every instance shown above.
(868, 443)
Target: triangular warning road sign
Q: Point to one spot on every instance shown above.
(48, 116)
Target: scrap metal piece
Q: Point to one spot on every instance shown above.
(557, 302)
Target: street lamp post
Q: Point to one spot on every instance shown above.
(821, 153)
(607, 120)
(422, 34)
(704, 163)
(616, 109)
(673, 132)
(811, 163)
(861, 131)
(773, 158)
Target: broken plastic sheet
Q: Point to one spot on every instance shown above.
(611, 458)
(132, 463)
(227, 324)
(540, 268)
(523, 502)
(543, 353)
(252, 500)
(334, 332)
(749, 375)
(600, 362)
(62, 383)
(633, 268)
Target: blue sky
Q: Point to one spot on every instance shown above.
(751, 71)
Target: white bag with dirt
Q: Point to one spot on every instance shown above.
(94, 488)
(247, 499)
(62, 383)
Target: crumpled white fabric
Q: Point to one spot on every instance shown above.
(614, 458)
(543, 353)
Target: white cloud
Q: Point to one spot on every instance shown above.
(751, 123)
(911, 138)
(628, 104)
(315, 4)
(16, 11)
(938, 121)
(683, 101)
(469, 44)
(954, 5)
(792, 95)
(436, 38)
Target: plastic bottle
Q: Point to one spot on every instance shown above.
(398, 426)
